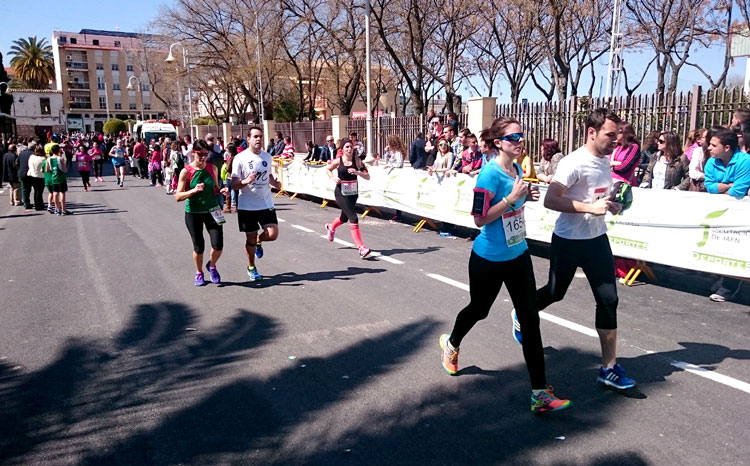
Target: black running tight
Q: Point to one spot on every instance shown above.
(195, 222)
(485, 280)
(348, 206)
(594, 256)
(84, 178)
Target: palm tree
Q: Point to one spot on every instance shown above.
(32, 61)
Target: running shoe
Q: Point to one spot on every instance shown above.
(449, 357)
(258, 250)
(215, 277)
(66, 212)
(199, 279)
(615, 377)
(364, 252)
(253, 274)
(85, 190)
(329, 233)
(516, 327)
(52, 210)
(546, 401)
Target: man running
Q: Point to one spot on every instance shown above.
(580, 192)
(251, 175)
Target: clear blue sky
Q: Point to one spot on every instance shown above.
(133, 16)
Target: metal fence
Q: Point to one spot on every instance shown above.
(303, 131)
(676, 112)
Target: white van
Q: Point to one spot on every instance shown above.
(154, 129)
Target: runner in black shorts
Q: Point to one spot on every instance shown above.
(251, 175)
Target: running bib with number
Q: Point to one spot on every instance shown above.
(349, 188)
(218, 215)
(514, 226)
(599, 193)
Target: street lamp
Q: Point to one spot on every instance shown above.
(171, 59)
(140, 90)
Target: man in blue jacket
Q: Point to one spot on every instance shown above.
(728, 169)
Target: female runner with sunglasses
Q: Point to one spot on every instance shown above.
(197, 185)
(348, 168)
(500, 255)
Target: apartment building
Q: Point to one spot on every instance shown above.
(93, 69)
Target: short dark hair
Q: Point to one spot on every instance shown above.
(252, 127)
(353, 133)
(279, 134)
(726, 138)
(742, 114)
(465, 132)
(597, 118)
(200, 145)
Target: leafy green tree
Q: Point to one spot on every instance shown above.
(32, 61)
(115, 126)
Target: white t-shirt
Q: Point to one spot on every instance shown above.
(588, 179)
(659, 177)
(256, 195)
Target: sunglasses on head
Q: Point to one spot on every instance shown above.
(513, 137)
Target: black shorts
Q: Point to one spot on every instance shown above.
(60, 188)
(251, 221)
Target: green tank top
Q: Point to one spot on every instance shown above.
(58, 176)
(203, 201)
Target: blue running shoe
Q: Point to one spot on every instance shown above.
(516, 327)
(615, 377)
(258, 251)
(215, 277)
(199, 281)
(253, 274)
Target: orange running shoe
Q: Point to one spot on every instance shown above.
(547, 401)
(450, 355)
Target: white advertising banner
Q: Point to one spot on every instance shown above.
(699, 231)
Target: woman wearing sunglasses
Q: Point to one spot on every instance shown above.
(443, 159)
(197, 185)
(669, 168)
(500, 255)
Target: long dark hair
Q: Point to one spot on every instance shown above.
(628, 134)
(673, 149)
(550, 147)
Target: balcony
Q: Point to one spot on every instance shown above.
(78, 85)
(76, 65)
(79, 105)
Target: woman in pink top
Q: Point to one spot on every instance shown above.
(627, 154)
(96, 155)
(83, 160)
(155, 167)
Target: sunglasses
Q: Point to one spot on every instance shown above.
(201, 154)
(513, 137)
(661, 141)
(443, 144)
(329, 140)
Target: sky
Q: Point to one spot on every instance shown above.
(134, 15)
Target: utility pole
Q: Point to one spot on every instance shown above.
(615, 52)
(369, 91)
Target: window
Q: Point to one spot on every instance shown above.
(96, 41)
(116, 87)
(102, 102)
(62, 40)
(100, 83)
(147, 106)
(99, 66)
(117, 43)
(132, 106)
(115, 67)
(118, 106)
(145, 88)
(45, 106)
(128, 67)
(73, 40)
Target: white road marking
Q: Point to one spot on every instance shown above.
(386, 258)
(687, 367)
(305, 229)
(343, 243)
(280, 220)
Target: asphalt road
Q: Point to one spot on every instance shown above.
(110, 356)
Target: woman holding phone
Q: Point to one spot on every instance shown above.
(500, 255)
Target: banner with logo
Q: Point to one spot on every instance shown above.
(698, 231)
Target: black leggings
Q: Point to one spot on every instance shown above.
(84, 178)
(157, 177)
(98, 168)
(195, 222)
(594, 256)
(485, 280)
(348, 206)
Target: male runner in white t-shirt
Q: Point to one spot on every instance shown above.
(580, 192)
(251, 175)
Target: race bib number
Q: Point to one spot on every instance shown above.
(349, 188)
(218, 216)
(599, 193)
(514, 225)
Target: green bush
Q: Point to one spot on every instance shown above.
(115, 126)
